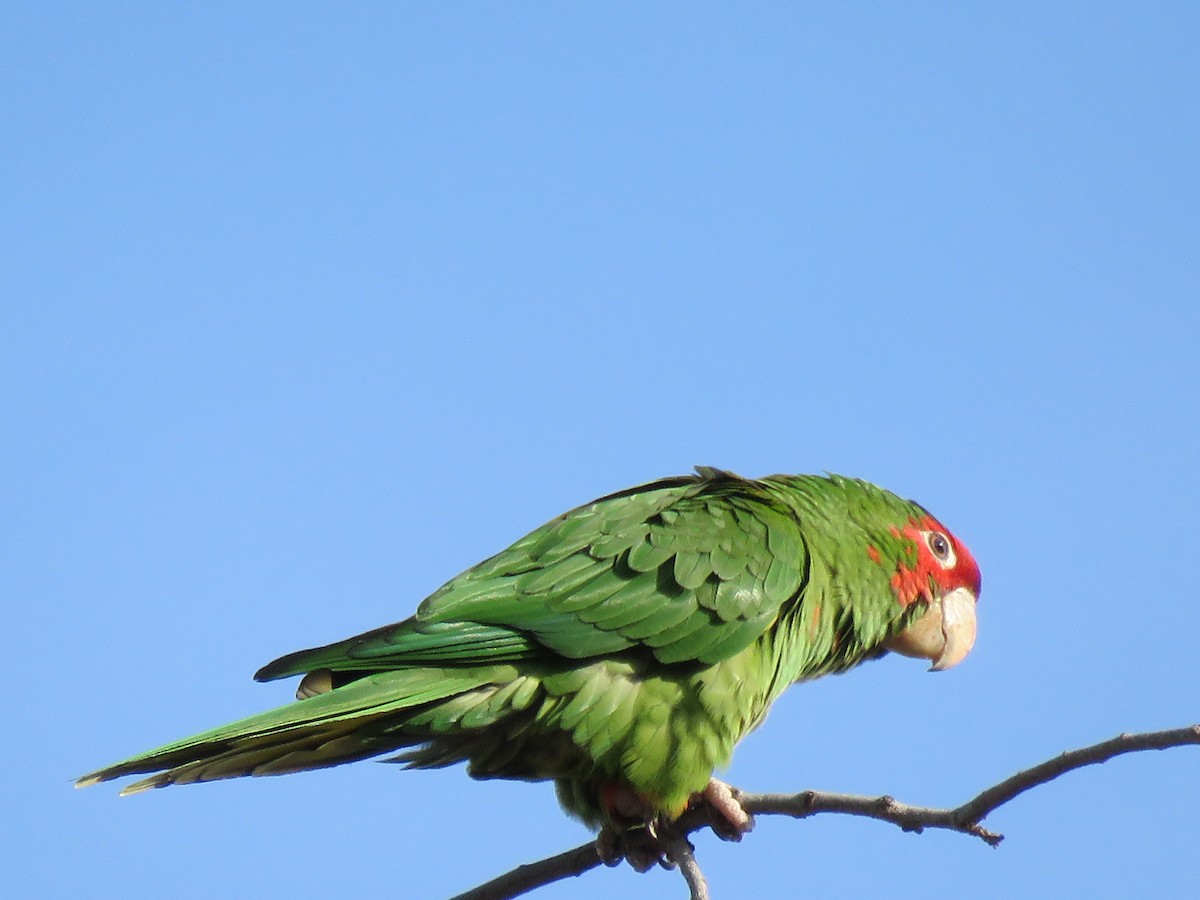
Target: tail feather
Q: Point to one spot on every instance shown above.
(320, 749)
(342, 725)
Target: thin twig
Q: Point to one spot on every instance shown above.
(964, 819)
(681, 853)
(887, 809)
(976, 809)
(530, 876)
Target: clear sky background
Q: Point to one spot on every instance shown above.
(307, 307)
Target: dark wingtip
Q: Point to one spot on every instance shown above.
(278, 668)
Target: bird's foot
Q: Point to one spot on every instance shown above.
(646, 839)
(642, 846)
(634, 832)
(728, 819)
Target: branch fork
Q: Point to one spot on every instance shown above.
(964, 819)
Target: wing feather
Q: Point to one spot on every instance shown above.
(692, 570)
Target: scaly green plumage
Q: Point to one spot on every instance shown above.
(633, 640)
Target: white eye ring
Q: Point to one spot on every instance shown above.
(942, 548)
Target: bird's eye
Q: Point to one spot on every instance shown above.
(941, 548)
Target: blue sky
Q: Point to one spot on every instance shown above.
(308, 308)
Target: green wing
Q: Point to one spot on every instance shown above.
(689, 569)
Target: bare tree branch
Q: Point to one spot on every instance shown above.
(964, 819)
(681, 853)
(526, 878)
(994, 797)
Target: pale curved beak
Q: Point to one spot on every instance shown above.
(944, 635)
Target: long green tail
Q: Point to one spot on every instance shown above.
(361, 719)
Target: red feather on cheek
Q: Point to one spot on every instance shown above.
(917, 580)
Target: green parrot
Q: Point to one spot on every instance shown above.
(621, 650)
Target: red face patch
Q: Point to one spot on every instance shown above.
(942, 563)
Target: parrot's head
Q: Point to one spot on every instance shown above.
(937, 571)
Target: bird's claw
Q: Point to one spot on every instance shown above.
(650, 843)
(607, 847)
(643, 846)
(727, 817)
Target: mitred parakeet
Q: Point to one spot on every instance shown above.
(621, 650)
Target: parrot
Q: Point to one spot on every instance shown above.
(621, 650)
